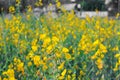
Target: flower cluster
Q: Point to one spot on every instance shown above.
(63, 48)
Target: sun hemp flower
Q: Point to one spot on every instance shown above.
(65, 50)
(36, 60)
(58, 4)
(61, 66)
(64, 72)
(10, 74)
(12, 9)
(99, 63)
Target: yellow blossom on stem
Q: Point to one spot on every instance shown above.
(58, 55)
(42, 36)
(82, 73)
(58, 4)
(29, 63)
(64, 72)
(61, 66)
(34, 48)
(10, 73)
(67, 56)
(12, 9)
(103, 48)
(20, 67)
(29, 8)
(65, 50)
(36, 60)
(99, 63)
(117, 55)
(117, 15)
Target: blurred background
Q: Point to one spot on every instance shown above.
(112, 6)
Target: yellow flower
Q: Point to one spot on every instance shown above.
(30, 55)
(12, 9)
(50, 4)
(116, 66)
(28, 17)
(117, 55)
(69, 71)
(97, 73)
(119, 61)
(45, 58)
(37, 4)
(82, 73)
(16, 60)
(34, 48)
(117, 15)
(58, 55)
(118, 33)
(68, 56)
(45, 67)
(73, 75)
(17, 2)
(29, 63)
(55, 39)
(68, 77)
(115, 69)
(65, 50)
(10, 74)
(99, 63)
(34, 42)
(102, 56)
(61, 78)
(96, 43)
(49, 49)
(103, 48)
(98, 53)
(51, 64)
(40, 3)
(42, 36)
(10, 66)
(29, 8)
(36, 60)
(20, 66)
(64, 72)
(61, 66)
(46, 41)
(93, 57)
(115, 48)
(58, 4)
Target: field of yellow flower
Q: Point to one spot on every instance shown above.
(63, 48)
